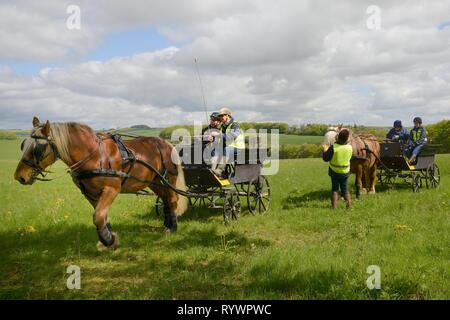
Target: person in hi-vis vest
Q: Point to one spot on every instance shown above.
(339, 156)
(417, 139)
(232, 138)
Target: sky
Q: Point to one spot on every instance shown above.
(132, 62)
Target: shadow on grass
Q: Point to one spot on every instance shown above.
(313, 199)
(192, 264)
(33, 264)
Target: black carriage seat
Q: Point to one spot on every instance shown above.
(392, 156)
(244, 166)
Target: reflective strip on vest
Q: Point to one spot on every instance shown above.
(340, 163)
(239, 141)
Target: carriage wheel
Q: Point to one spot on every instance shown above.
(231, 206)
(159, 208)
(416, 182)
(205, 202)
(433, 176)
(382, 176)
(386, 177)
(258, 195)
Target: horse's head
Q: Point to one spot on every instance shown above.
(331, 135)
(38, 153)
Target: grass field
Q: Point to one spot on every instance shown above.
(294, 139)
(299, 250)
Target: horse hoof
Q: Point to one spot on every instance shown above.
(101, 247)
(371, 192)
(116, 243)
(363, 191)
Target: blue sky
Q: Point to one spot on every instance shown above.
(267, 61)
(444, 25)
(125, 43)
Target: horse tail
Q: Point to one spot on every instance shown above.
(180, 184)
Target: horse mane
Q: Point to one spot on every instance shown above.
(60, 133)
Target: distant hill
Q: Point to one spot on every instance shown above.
(141, 127)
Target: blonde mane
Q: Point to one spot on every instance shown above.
(60, 133)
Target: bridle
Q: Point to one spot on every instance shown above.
(39, 155)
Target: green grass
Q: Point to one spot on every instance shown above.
(300, 250)
(295, 139)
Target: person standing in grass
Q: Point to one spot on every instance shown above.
(339, 156)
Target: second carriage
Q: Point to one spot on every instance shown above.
(394, 166)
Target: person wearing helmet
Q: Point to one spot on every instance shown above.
(339, 156)
(210, 138)
(398, 132)
(417, 139)
(213, 129)
(232, 138)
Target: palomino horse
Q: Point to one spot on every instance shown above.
(366, 151)
(96, 167)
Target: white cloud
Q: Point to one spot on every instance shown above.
(294, 61)
(27, 35)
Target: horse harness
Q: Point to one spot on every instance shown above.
(128, 159)
(39, 156)
(366, 148)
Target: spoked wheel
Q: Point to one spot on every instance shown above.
(258, 195)
(159, 208)
(416, 182)
(433, 177)
(205, 202)
(199, 201)
(382, 177)
(231, 206)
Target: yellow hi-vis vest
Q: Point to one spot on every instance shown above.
(239, 141)
(416, 134)
(340, 163)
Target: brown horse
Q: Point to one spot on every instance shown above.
(98, 170)
(366, 152)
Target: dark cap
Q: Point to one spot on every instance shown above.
(214, 115)
(418, 119)
(343, 136)
(398, 124)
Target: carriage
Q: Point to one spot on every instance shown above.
(244, 184)
(394, 166)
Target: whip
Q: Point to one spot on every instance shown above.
(201, 89)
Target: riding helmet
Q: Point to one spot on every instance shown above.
(398, 124)
(418, 120)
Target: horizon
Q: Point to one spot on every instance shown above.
(281, 122)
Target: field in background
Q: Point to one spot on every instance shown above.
(154, 132)
(300, 250)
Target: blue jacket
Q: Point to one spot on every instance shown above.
(421, 135)
(232, 134)
(394, 135)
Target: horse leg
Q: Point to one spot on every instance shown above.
(366, 180)
(170, 217)
(106, 237)
(373, 178)
(170, 206)
(358, 182)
